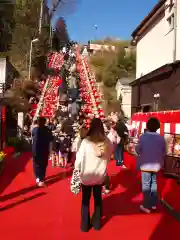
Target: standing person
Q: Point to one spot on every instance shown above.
(55, 151)
(52, 124)
(112, 136)
(64, 148)
(35, 124)
(49, 123)
(41, 149)
(74, 110)
(28, 120)
(69, 105)
(91, 160)
(151, 151)
(122, 140)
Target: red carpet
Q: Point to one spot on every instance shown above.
(54, 213)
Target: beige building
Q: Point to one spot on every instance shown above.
(93, 48)
(123, 91)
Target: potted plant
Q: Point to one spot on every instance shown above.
(16, 143)
(2, 156)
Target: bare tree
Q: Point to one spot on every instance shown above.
(63, 6)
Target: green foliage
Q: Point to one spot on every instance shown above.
(112, 42)
(6, 25)
(25, 19)
(112, 65)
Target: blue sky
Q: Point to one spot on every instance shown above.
(114, 18)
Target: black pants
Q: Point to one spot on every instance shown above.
(107, 183)
(40, 165)
(119, 154)
(85, 213)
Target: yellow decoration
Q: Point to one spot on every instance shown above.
(2, 156)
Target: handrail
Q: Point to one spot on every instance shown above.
(89, 85)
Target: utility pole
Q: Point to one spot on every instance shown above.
(96, 28)
(50, 35)
(41, 16)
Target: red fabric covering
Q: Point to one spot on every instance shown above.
(164, 117)
(54, 212)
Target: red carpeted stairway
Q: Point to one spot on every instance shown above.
(53, 213)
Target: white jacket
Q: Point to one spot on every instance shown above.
(92, 168)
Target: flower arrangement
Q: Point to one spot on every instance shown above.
(15, 142)
(2, 156)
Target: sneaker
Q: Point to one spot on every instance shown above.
(146, 210)
(41, 184)
(123, 166)
(154, 208)
(37, 180)
(106, 191)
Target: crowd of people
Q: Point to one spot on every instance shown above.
(68, 141)
(150, 150)
(89, 151)
(65, 136)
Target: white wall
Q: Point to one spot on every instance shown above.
(156, 47)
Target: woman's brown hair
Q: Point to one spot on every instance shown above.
(96, 132)
(83, 132)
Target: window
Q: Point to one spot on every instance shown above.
(170, 21)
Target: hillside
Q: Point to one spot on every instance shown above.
(109, 66)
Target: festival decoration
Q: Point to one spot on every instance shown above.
(47, 105)
(88, 89)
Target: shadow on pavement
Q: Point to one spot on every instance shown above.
(7, 207)
(50, 181)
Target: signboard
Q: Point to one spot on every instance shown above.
(2, 70)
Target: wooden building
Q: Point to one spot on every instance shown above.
(160, 88)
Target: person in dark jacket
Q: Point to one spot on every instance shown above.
(122, 132)
(41, 149)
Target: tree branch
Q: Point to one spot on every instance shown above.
(54, 7)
